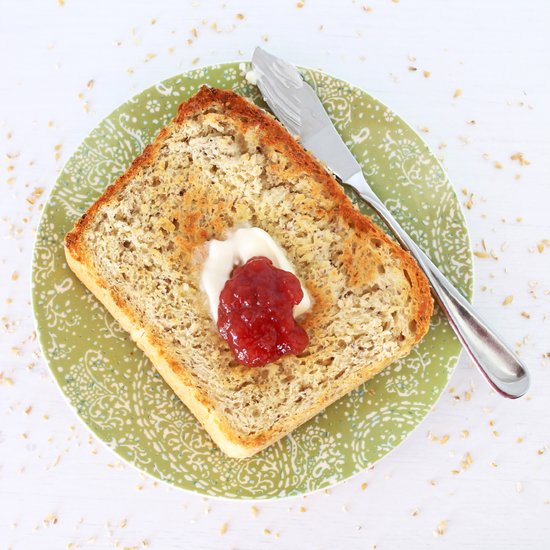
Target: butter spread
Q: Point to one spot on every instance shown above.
(239, 246)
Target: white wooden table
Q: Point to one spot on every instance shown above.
(65, 65)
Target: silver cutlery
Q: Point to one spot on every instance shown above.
(297, 107)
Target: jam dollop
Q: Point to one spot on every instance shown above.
(255, 313)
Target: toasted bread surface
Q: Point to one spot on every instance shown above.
(220, 163)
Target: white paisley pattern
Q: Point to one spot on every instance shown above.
(112, 385)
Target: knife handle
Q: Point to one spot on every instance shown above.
(498, 364)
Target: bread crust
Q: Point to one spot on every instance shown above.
(273, 134)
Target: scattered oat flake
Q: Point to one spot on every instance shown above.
(541, 451)
(519, 487)
(149, 57)
(481, 254)
(493, 464)
(123, 523)
(14, 276)
(364, 486)
(444, 439)
(426, 74)
(520, 439)
(239, 16)
(414, 512)
(466, 461)
(300, 5)
(302, 509)
(458, 93)
(223, 528)
(50, 519)
(498, 165)
(413, 69)
(464, 434)
(267, 531)
(254, 512)
(520, 158)
(508, 300)
(5, 380)
(195, 61)
(441, 527)
(60, 3)
(36, 194)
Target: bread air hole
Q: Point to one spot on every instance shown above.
(242, 385)
(339, 375)
(413, 326)
(408, 277)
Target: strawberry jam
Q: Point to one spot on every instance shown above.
(255, 313)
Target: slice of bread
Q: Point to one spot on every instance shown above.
(220, 163)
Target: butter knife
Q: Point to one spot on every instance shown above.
(297, 107)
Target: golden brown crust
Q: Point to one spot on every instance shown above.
(271, 134)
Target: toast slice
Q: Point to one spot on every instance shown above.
(220, 163)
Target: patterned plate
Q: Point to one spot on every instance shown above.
(115, 389)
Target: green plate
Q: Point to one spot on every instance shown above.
(114, 388)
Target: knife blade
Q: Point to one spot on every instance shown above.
(297, 106)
